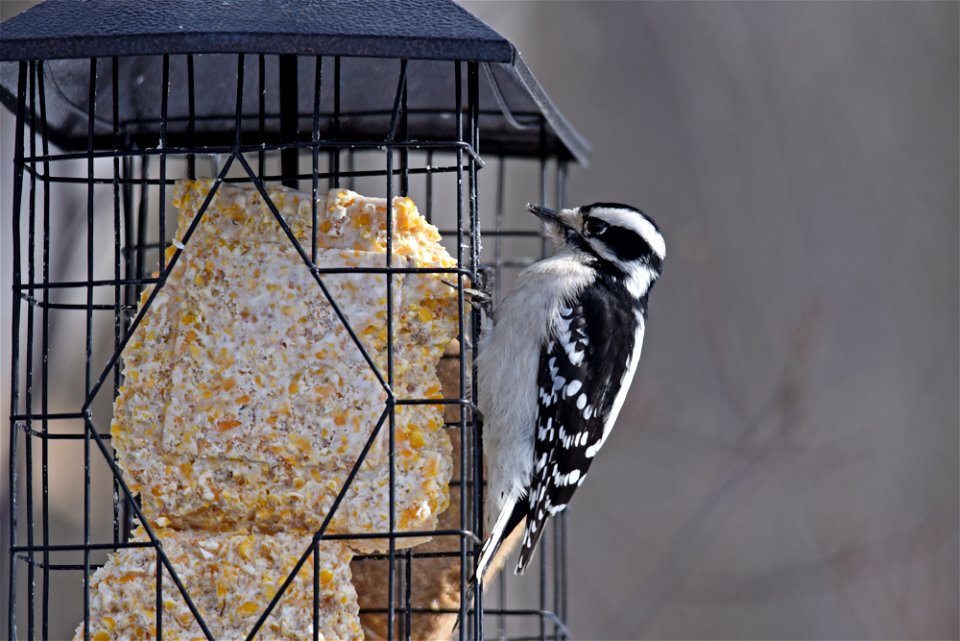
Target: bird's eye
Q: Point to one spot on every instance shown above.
(595, 226)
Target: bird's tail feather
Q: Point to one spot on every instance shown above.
(491, 545)
(530, 539)
(501, 530)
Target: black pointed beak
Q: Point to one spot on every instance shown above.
(561, 222)
(547, 215)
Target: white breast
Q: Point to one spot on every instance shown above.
(507, 372)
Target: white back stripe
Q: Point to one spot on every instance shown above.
(622, 392)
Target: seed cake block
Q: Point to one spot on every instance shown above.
(246, 402)
(231, 578)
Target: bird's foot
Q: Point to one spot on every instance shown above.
(480, 297)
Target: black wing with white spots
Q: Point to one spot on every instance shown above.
(581, 372)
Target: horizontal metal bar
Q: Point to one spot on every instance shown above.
(86, 283)
(103, 307)
(546, 637)
(56, 566)
(80, 547)
(400, 535)
(458, 483)
(126, 251)
(328, 145)
(47, 436)
(49, 416)
(548, 614)
(79, 415)
(503, 232)
(240, 179)
(534, 116)
(452, 271)
(455, 554)
(562, 636)
(435, 401)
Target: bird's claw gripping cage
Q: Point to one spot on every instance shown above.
(396, 99)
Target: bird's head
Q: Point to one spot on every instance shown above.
(621, 238)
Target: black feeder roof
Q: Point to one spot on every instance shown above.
(516, 116)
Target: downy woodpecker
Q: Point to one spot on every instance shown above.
(555, 367)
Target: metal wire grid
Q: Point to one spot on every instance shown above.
(135, 192)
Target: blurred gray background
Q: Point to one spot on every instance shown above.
(786, 466)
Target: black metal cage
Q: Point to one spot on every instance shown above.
(409, 98)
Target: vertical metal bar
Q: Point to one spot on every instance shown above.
(159, 596)
(15, 342)
(261, 111)
(543, 180)
(498, 225)
(117, 313)
(132, 260)
(408, 595)
(404, 133)
(392, 549)
(395, 114)
(128, 238)
(561, 184)
(45, 356)
(28, 396)
(316, 587)
(473, 99)
(561, 565)
(143, 216)
(429, 200)
(129, 266)
(351, 167)
(335, 153)
(502, 604)
(315, 154)
(542, 578)
(191, 119)
(162, 206)
(542, 602)
(465, 568)
(562, 568)
(88, 355)
(289, 98)
(498, 278)
(555, 553)
(238, 113)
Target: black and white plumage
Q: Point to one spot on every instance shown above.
(554, 369)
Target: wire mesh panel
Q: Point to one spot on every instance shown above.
(98, 236)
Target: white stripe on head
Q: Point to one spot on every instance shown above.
(634, 220)
(639, 278)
